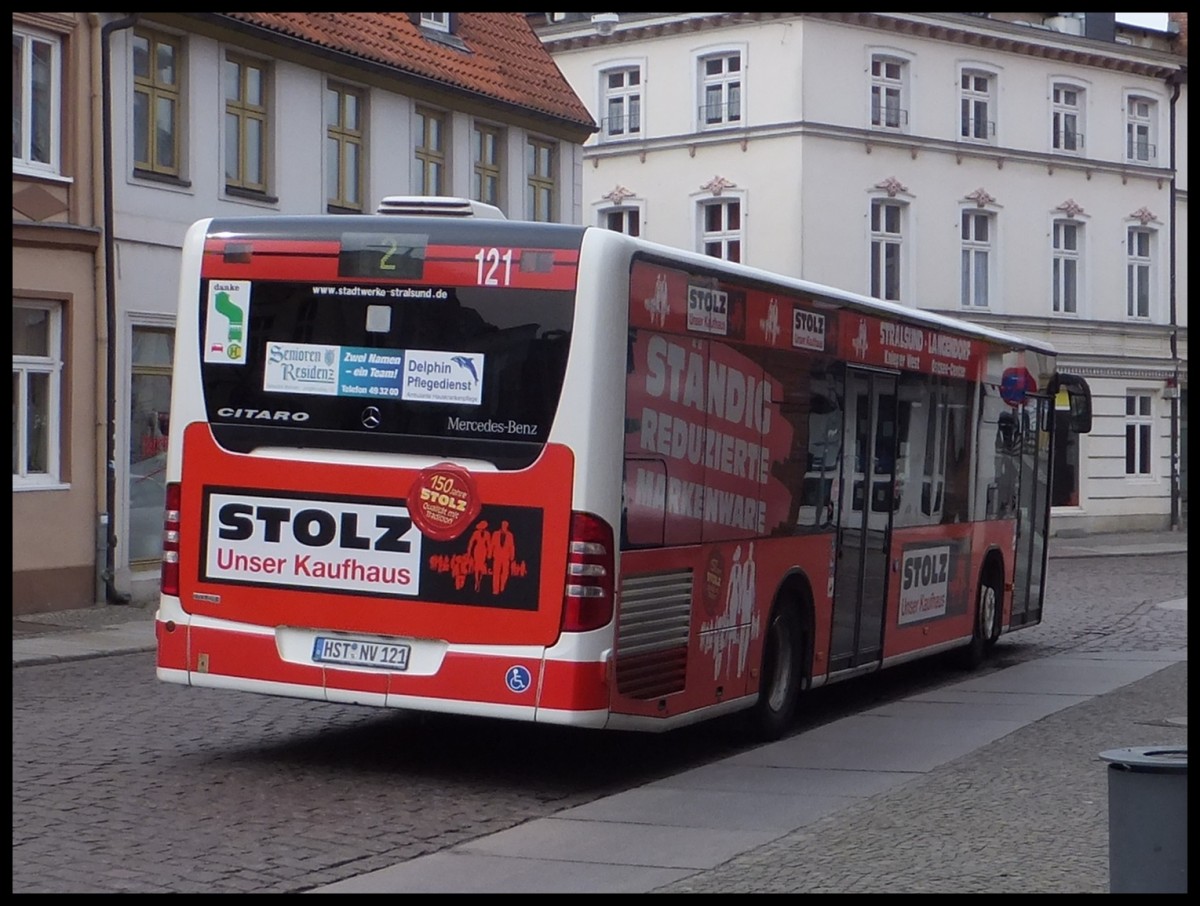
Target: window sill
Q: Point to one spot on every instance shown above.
(443, 37)
(238, 194)
(163, 178)
(23, 172)
(48, 485)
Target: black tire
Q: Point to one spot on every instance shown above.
(782, 674)
(988, 600)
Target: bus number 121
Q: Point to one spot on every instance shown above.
(488, 263)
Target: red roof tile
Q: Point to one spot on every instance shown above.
(504, 59)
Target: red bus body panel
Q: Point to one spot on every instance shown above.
(214, 645)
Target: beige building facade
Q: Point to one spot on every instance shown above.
(58, 322)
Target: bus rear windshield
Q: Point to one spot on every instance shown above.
(454, 372)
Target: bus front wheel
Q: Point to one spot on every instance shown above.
(781, 678)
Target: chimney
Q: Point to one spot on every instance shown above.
(1100, 26)
(1177, 27)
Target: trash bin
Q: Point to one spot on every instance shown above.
(1147, 819)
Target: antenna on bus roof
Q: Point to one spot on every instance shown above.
(438, 206)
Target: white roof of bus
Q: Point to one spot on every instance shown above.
(867, 304)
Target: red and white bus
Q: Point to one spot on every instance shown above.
(559, 474)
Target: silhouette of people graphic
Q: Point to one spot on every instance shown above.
(478, 549)
(504, 553)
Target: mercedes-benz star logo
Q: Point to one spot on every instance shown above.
(370, 417)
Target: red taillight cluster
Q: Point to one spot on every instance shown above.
(588, 598)
(170, 556)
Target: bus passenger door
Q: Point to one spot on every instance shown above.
(1033, 511)
(864, 520)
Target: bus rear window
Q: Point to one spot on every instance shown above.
(445, 371)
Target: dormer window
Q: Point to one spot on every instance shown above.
(436, 22)
(439, 27)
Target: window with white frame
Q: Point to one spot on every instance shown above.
(976, 257)
(487, 149)
(887, 246)
(1139, 250)
(247, 124)
(37, 376)
(721, 89)
(1067, 236)
(976, 118)
(157, 103)
(436, 21)
(622, 92)
(37, 100)
(623, 219)
(1067, 118)
(1140, 138)
(889, 90)
(721, 228)
(344, 140)
(1139, 427)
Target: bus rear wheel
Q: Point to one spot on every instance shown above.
(781, 677)
(987, 620)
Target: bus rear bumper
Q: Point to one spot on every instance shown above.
(527, 683)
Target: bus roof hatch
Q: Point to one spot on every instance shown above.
(438, 206)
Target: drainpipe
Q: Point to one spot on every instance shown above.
(111, 594)
(1174, 80)
(99, 423)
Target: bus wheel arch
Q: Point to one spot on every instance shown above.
(785, 667)
(988, 611)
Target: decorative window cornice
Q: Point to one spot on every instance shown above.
(981, 198)
(717, 185)
(618, 194)
(1144, 215)
(892, 187)
(1071, 208)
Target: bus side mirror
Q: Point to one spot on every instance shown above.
(1079, 401)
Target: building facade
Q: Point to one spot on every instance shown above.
(239, 114)
(58, 316)
(1026, 171)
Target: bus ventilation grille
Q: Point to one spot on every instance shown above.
(653, 627)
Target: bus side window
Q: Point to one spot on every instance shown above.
(958, 454)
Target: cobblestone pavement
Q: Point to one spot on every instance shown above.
(1026, 813)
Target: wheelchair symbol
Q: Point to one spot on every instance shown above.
(517, 679)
